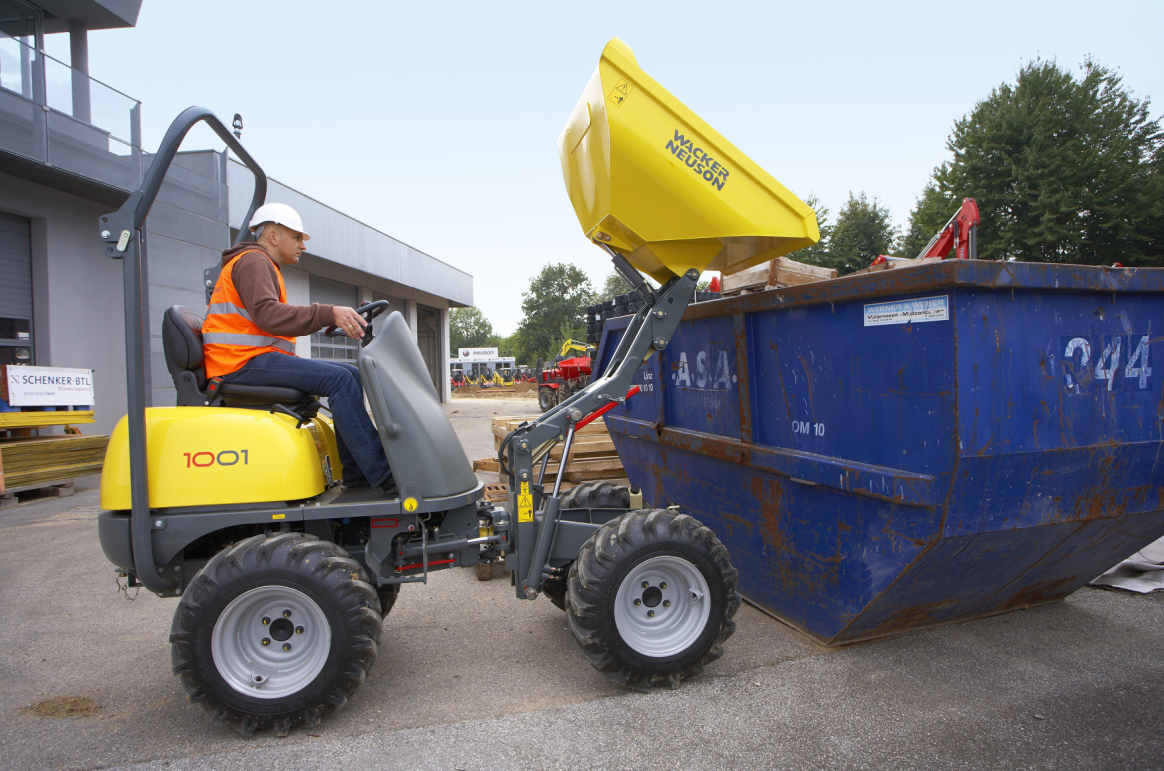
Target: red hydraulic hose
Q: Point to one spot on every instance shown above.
(598, 413)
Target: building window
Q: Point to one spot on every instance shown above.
(339, 348)
(329, 292)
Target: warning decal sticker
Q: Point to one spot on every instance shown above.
(907, 311)
(620, 92)
(524, 504)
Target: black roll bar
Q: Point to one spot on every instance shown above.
(122, 231)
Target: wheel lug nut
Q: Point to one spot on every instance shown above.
(646, 584)
(663, 585)
(298, 630)
(266, 641)
(286, 614)
(266, 620)
(638, 601)
(666, 603)
(286, 646)
(650, 614)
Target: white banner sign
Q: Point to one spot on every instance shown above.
(478, 354)
(49, 387)
(906, 311)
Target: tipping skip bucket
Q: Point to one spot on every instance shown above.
(896, 450)
(650, 179)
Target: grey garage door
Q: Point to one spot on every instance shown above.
(428, 338)
(15, 290)
(329, 292)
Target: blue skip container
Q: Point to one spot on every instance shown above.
(895, 450)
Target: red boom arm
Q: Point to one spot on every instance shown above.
(959, 234)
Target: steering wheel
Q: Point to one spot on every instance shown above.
(369, 311)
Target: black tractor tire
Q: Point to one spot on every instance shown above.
(627, 550)
(387, 595)
(546, 398)
(333, 587)
(597, 495)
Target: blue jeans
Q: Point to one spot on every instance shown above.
(359, 443)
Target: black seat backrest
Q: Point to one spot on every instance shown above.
(182, 343)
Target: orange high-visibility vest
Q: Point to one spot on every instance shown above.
(229, 337)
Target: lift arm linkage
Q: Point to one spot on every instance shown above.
(649, 332)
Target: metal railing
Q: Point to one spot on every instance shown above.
(61, 117)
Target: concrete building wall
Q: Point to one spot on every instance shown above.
(187, 232)
(78, 318)
(77, 291)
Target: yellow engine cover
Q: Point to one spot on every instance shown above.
(205, 456)
(652, 180)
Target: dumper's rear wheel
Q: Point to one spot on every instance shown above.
(387, 595)
(545, 398)
(651, 598)
(597, 495)
(275, 632)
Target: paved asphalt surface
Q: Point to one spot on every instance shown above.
(470, 678)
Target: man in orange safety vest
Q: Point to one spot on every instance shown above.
(250, 330)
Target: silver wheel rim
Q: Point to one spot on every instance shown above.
(286, 663)
(672, 610)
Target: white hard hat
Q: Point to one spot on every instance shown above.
(280, 213)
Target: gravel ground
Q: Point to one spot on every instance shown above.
(470, 678)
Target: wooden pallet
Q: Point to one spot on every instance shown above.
(592, 456)
(59, 488)
(779, 272)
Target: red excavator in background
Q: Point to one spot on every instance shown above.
(557, 383)
(960, 235)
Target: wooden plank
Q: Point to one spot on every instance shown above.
(486, 465)
(895, 265)
(27, 454)
(778, 272)
(577, 477)
(49, 474)
(40, 419)
(597, 428)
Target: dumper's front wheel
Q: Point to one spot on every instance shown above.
(275, 632)
(651, 598)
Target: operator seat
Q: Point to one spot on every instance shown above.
(182, 344)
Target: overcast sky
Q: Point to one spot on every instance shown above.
(437, 123)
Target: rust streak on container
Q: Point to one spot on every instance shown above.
(1038, 594)
(911, 617)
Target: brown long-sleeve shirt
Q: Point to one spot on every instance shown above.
(257, 283)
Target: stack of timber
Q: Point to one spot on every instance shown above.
(30, 462)
(774, 274)
(895, 263)
(592, 457)
(37, 460)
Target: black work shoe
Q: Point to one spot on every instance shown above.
(389, 488)
(355, 482)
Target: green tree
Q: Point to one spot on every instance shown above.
(862, 231)
(468, 328)
(1063, 168)
(613, 286)
(929, 216)
(818, 253)
(555, 309)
